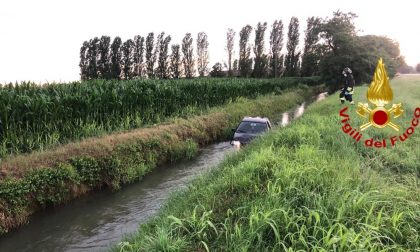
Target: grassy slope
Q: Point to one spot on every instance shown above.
(52, 177)
(306, 187)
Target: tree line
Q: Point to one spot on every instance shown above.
(142, 57)
(330, 44)
(406, 69)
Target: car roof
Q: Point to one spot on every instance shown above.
(255, 119)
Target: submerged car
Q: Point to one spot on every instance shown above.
(249, 128)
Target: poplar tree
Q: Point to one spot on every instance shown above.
(202, 53)
(188, 55)
(162, 70)
(92, 55)
(292, 57)
(230, 39)
(103, 60)
(83, 61)
(115, 58)
(127, 58)
(150, 55)
(245, 61)
(138, 56)
(175, 62)
(276, 45)
(261, 61)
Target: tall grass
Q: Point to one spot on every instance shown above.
(33, 117)
(306, 187)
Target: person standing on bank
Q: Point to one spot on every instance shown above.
(348, 89)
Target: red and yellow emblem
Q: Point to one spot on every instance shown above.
(380, 94)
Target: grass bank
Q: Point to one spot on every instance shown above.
(41, 179)
(306, 187)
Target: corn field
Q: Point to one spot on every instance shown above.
(33, 117)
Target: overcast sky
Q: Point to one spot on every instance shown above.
(40, 39)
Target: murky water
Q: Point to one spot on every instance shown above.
(298, 111)
(100, 220)
(95, 222)
(321, 96)
(285, 119)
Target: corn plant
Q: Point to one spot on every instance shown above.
(33, 117)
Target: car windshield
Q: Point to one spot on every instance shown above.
(251, 127)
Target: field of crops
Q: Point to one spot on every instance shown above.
(306, 187)
(34, 117)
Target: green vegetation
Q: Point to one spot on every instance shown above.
(331, 44)
(291, 60)
(53, 177)
(405, 157)
(34, 117)
(306, 187)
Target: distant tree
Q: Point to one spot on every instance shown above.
(400, 61)
(230, 39)
(369, 49)
(166, 56)
(162, 70)
(202, 54)
(92, 57)
(339, 48)
(312, 51)
(331, 44)
(261, 59)
(235, 66)
(418, 67)
(103, 60)
(83, 61)
(150, 55)
(188, 59)
(406, 69)
(138, 56)
(158, 43)
(276, 45)
(127, 58)
(115, 58)
(292, 57)
(217, 70)
(245, 61)
(175, 62)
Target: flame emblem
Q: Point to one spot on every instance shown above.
(380, 94)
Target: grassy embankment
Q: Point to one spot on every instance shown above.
(306, 187)
(42, 179)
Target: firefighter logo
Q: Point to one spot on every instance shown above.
(380, 94)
